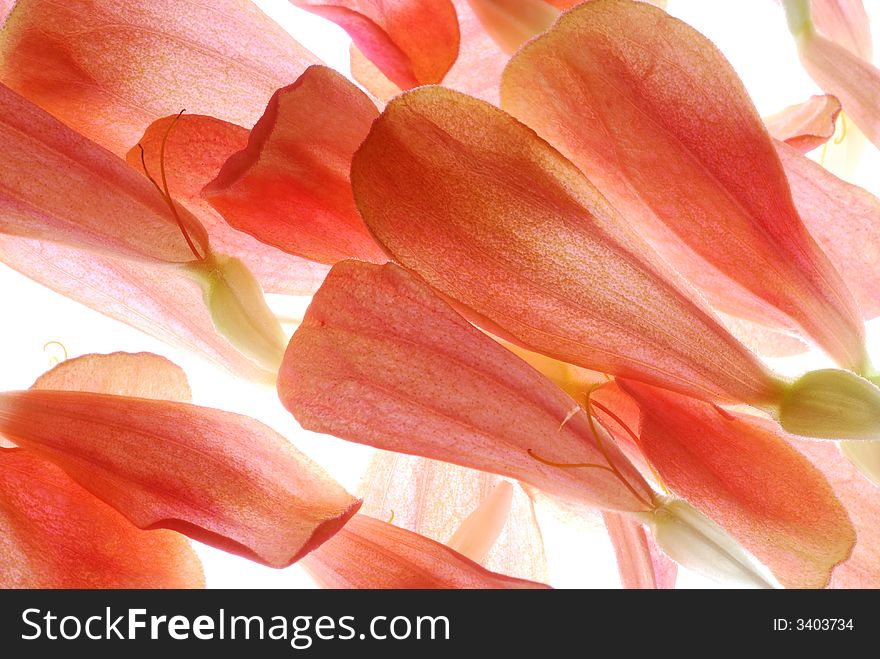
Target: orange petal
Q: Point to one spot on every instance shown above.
(845, 221)
(141, 375)
(108, 69)
(195, 151)
(862, 568)
(218, 477)
(413, 42)
(54, 534)
(56, 185)
(854, 81)
(766, 341)
(641, 564)
(153, 298)
(806, 125)
(512, 230)
(742, 472)
(368, 76)
(847, 23)
(368, 553)
(682, 153)
(433, 498)
(290, 186)
(379, 359)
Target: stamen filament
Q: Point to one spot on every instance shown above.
(567, 465)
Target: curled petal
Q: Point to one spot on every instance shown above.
(844, 219)
(153, 298)
(513, 231)
(109, 69)
(56, 185)
(219, 477)
(641, 564)
(837, 71)
(379, 359)
(742, 472)
(806, 125)
(447, 495)
(141, 375)
(368, 553)
(55, 534)
(413, 42)
(659, 121)
(195, 151)
(289, 187)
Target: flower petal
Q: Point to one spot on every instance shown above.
(845, 221)
(806, 125)
(862, 568)
(743, 473)
(108, 69)
(513, 231)
(446, 495)
(221, 478)
(54, 534)
(290, 186)
(155, 299)
(640, 562)
(413, 42)
(367, 553)
(845, 22)
(56, 185)
(195, 151)
(708, 191)
(141, 375)
(379, 359)
(854, 81)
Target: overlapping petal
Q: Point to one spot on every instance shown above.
(290, 187)
(155, 299)
(742, 472)
(640, 563)
(806, 125)
(492, 216)
(413, 42)
(845, 221)
(368, 553)
(659, 121)
(379, 359)
(221, 478)
(195, 150)
(55, 534)
(445, 494)
(109, 69)
(57, 185)
(845, 22)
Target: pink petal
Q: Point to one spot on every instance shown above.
(290, 186)
(845, 221)
(845, 22)
(681, 152)
(153, 298)
(109, 69)
(513, 231)
(742, 472)
(195, 151)
(413, 42)
(54, 534)
(806, 125)
(221, 478)
(379, 359)
(368, 553)
(862, 568)
(56, 185)
(433, 498)
(641, 564)
(142, 375)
